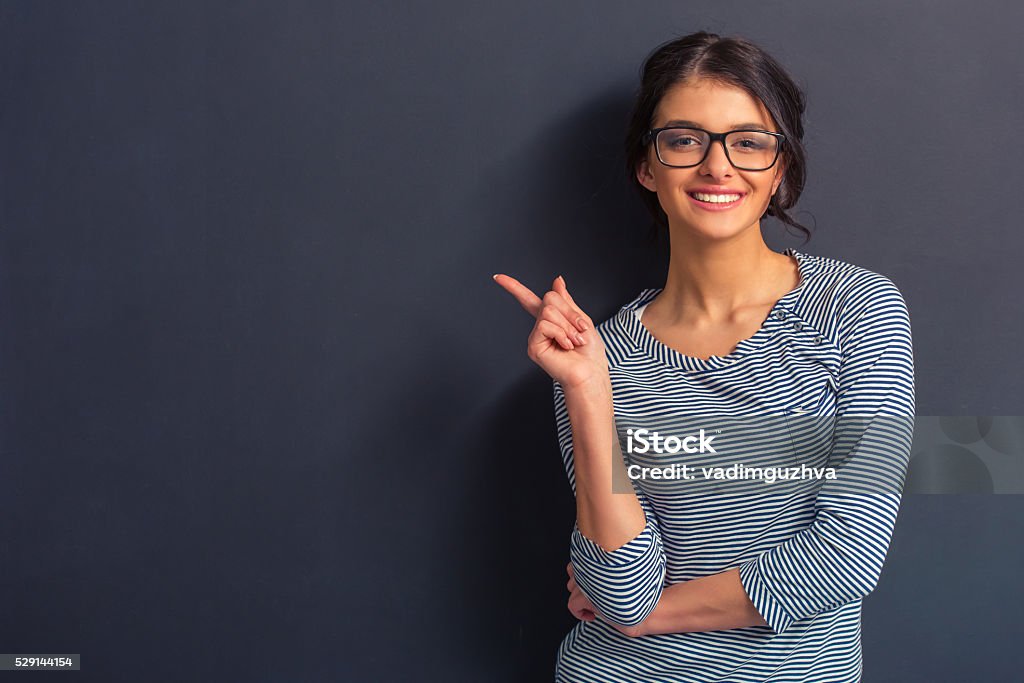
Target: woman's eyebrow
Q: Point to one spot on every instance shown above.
(694, 124)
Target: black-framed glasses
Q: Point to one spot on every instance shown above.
(747, 150)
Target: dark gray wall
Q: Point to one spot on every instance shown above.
(266, 417)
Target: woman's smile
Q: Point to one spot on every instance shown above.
(716, 202)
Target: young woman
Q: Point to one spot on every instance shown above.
(699, 578)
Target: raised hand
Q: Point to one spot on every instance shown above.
(563, 341)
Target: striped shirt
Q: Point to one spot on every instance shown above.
(826, 382)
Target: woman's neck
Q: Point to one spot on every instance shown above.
(712, 281)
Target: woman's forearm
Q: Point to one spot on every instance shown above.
(609, 519)
(709, 603)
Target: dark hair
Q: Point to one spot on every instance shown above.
(733, 61)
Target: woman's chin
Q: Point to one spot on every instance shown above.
(715, 230)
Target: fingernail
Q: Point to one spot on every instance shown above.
(580, 340)
(494, 277)
(562, 279)
(582, 324)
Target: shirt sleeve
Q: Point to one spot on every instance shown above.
(624, 584)
(839, 557)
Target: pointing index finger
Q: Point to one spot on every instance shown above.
(523, 294)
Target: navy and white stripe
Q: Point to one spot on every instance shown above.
(835, 350)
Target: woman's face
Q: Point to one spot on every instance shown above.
(718, 108)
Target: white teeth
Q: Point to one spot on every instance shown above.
(716, 198)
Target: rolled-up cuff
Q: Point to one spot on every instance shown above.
(624, 584)
(760, 594)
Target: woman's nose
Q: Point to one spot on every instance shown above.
(716, 163)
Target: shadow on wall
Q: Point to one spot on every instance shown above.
(560, 205)
(488, 507)
(513, 516)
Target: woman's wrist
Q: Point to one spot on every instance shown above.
(596, 386)
(590, 404)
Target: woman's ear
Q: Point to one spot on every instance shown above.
(645, 176)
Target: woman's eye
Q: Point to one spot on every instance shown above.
(748, 144)
(684, 142)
